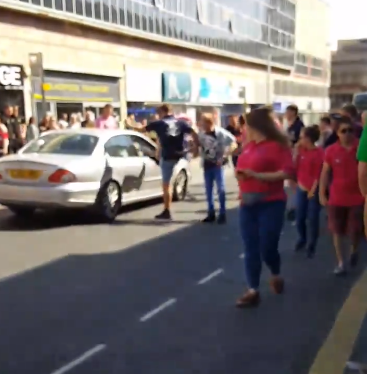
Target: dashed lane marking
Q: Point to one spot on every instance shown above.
(338, 346)
(210, 276)
(84, 357)
(241, 256)
(157, 310)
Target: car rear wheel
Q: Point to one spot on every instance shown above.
(108, 202)
(22, 211)
(180, 186)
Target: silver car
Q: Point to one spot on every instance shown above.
(85, 168)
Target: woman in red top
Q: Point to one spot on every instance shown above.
(345, 204)
(309, 161)
(262, 167)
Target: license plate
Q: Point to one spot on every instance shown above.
(24, 174)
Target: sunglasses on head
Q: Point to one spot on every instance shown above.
(348, 130)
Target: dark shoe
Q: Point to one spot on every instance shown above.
(300, 246)
(165, 215)
(222, 219)
(310, 252)
(340, 271)
(353, 259)
(209, 219)
(277, 284)
(248, 300)
(291, 215)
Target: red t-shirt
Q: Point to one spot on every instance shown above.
(308, 166)
(265, 157)
(344, 188)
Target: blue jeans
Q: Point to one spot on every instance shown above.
(307, 210)
(261, 226)
(211, 175)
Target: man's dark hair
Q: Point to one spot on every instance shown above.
(165, 108)
(326, 120)
(293, 108)
(351, 110)
(343, 121)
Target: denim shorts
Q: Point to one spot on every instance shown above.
(167, 168)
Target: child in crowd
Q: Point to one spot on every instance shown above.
(309, 161)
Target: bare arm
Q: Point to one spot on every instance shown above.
(273, 176)
(323, 184)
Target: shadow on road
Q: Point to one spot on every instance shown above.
(54, 312)
(53, 220)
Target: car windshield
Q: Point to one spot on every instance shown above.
(63, 144)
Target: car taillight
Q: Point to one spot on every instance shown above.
(62, 176)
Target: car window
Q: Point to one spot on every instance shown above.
(120, 146)
(143, 147)
(64, 144)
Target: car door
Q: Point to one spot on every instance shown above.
(147, 152)
(124, 164)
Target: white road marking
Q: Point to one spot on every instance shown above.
(242, 255)
(210, 276)
(84, 357)
(155, 311)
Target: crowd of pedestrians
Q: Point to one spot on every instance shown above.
(319, 162)
(15, 131)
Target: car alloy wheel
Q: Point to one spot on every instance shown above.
(109, 202)
(180, 186)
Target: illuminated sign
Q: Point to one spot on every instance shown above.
(11, 77)
(77, 90)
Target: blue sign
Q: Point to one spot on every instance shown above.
(176, 87)
(217, 90)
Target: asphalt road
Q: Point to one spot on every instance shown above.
(146, 297)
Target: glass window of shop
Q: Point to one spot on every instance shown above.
(75, 93)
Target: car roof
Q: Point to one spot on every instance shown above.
(103, 134)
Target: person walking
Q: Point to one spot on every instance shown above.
(262, 167)
(309, 162)
(4, 139)
(32, 131)
(234, 128)
(345, 203)
(216, 145)
(170, 133)
(295, 126)
(14, 130)
(350, 111)
(106, 120)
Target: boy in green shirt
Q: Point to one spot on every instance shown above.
(362, 165)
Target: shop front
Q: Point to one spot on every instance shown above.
(12, 87)
(194, 95)
(143, 91)
(74, 93)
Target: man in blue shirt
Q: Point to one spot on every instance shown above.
(171, 135)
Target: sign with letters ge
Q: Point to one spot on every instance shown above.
(11, 77)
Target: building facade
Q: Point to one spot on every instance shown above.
(348, 71)
(134, 54)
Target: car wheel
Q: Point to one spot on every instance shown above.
(108, 202)
(180, 186)
(22, 211)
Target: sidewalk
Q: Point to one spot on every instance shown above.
(358, 359)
